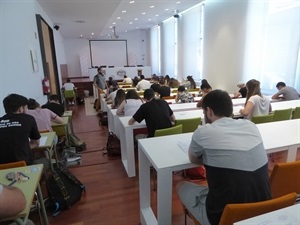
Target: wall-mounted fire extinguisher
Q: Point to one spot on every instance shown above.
(46, 86)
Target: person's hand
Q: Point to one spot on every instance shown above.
(241, 111)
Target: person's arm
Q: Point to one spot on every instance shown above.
(177, 98)
(192, 148)
(58, 119)
(131, 121)
(248, 108)
(275, 96)
(34, 143)
(120, 110)
(199, 103)
(236, 95)
(173, 118)
(12, 201)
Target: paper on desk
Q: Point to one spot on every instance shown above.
(43, 140)
(184, 145)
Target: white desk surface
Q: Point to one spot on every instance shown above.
(285, 104)
(166, 156)
(286, 216)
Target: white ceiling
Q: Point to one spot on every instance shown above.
(84, 17)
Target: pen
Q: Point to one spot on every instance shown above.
(24, 175)
(11, 183)
(18, 177)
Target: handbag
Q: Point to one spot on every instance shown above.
(113, 145)
(64, 189)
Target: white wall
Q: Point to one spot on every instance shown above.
(18, 36)
(136, 47)
(225, 24)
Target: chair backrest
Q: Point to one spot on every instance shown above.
(12, 165)
(296, 113)
(193, 90)
(169, 97)
(285, 178)
(168, 131)
(262, 119)
(69, 94)
(282, 114)
(189, 125)
(236, 212)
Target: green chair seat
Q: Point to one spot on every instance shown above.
(296, 113)
(168, 131)
(189, 125)
(282, 114)
(262, 119)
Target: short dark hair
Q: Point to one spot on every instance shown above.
(32, 104)
(148, 94)
(205, 85)
(162, 81)
(181, 88)
(68, 80)
(219, 102)
(280, 84)
(13, 102)
(54, 98)
(132, 94)
(142, 76)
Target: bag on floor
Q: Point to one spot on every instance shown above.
(77, 143)
(196, 173)
(103, 119)
(113, 145)
(64, 189)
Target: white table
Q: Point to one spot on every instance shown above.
(127, 139)
(286, 216)
(165, 155)
(113, 121)
(285, 104)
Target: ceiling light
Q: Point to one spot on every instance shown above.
(92, 33)
(81, 35)
(143, 13)
(156, 15)
(110, 27)
(118, 18)
(124, 11)
(135, 18)
(114, 23)
(131, 2)
(151, 6)
(137, 27)
(79, 21)
(130, 23)
(177, 2)
(149, 19)
(166, 9)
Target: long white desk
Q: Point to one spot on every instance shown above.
(166, 156)
(127, 139)
(285, 104)
(286, 216)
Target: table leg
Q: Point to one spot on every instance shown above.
(41, 200)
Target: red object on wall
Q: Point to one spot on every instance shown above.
(46, 86)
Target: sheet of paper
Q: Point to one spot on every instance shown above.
(184, 145)
(43, 140)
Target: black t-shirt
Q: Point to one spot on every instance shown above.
(157, 115)
(15, 129)
(243, 92)
(58, 109)
(164, 91)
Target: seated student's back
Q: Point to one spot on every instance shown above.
(54, 105)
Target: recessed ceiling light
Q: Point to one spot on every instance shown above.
(137, 27)
(79, 21)
(143, 13)
(130, 23)
(118, 18)
(149, 19)
(92, 33)
(102, 35)
(177, 2)
(114, 23)
(151, 6)
(131, 2)
(125, 31)
(135, 18)
(156, 15)
(110, 27)
(166, 9)
(124, 11)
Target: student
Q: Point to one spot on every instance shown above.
(143, 84)
(112, 85)
(127, 80)
(69, 86)
(205, 89)
(256, 103)
(120, 97)
(288, 93)
(43, 117)
(18, 131)
(242, 90)
(236, 163)
(183, 96)
(135, 81)
(164, 90)
(156, 112)
(173, 83)
(111, 97)
(131, 104)
(189, 83)
(54, 105)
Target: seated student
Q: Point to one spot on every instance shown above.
(111, 97)
(242, 90)
(143, 84)
(131, 104)
(173, 83)
(288, 93)
(120, 97)
(205, 89)
(54, 105)
(189, 83)
(155, 87)
(164, 90)
(205, 82)
(43, 117)
(127, 80)
(156, 112)
(68, 86)
(18, 133)
(236, 163)
(112, 85)
(183, 96)
(135, 81)
(256, 103)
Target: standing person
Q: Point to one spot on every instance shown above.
(156, 112)
(143, 84)
(288, 93)
(235, 160)
(131, 104)
(242, 90)
(100, 85)
(183, 96)
(54, 105)
(69, 86)
(18, 131)
(256, 103)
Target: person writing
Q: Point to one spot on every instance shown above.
(54, 105)
(242, 90)
(100, 85)
(288, 93)
(235, 160)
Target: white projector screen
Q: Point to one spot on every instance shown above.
(108, 53)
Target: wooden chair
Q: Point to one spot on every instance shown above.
(296, 113)
(12, 165)
(236, 212)
(168, 131)
(262, 119)
(285, 178)
(282, 114)
(189, 125)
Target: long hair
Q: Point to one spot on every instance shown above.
(253, 88)
(132, 94)
(120, 97)
(193, 83)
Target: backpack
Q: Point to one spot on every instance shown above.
(64, 189)
(80, 145)
(196, 173)
(113, 145)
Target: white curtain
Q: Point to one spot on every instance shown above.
(155, 49)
